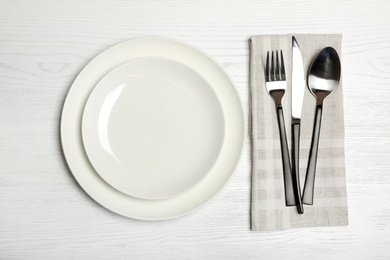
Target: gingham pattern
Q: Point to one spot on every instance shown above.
(330, 197)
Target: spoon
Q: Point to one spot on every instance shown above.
(323, 79)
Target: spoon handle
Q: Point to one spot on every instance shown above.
(308, 189)
(296, 128)
(288, 183)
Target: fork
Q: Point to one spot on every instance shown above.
(275, 83)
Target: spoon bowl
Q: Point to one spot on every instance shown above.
(324, 73)
(323, 80)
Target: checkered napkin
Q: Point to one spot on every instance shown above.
(330, 197)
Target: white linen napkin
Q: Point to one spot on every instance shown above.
(268, 210)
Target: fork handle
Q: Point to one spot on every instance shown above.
(288, 183)
(308, 189)
(296, 128)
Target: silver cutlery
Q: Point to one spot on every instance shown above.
(323, 80)
(275, 82)
(297, 93)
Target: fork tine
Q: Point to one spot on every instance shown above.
(277, 69)
(282, 71)
(272, 66)
(267, 71)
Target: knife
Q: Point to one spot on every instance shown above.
(297, 93)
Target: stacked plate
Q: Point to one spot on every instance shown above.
(152, 128)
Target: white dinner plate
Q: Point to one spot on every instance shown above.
(224, 99)
(152, 128)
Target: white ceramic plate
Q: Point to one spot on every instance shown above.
(153, 128)
(193, 196)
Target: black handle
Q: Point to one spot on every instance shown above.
(296, 127)
(308, 189)
(288, 184)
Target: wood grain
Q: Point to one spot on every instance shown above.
(45, 214)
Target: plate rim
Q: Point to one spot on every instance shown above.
(72, 162)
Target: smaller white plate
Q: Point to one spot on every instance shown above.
(152, 128)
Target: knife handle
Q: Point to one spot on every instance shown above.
(296, 128)
(288, 183)
(308, 189)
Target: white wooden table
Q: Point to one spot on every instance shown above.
(44, 214)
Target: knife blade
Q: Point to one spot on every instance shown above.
(298, 84)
